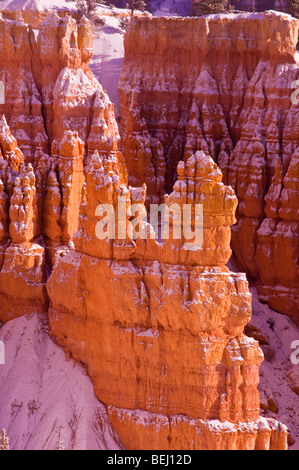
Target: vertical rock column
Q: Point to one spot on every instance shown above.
(159, 326)
(22, 278)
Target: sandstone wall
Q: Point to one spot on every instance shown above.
(222, 84)
(159, 326)
(48, 90)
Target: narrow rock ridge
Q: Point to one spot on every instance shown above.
(227, 88)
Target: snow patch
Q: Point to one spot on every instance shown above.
(46, 400)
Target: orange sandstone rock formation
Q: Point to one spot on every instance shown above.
(158, 325)
(49, 87)
(51, 102)
(228, 89)
(186, 374)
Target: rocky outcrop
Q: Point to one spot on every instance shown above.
(243, 114)
(48, 89)
(144, 298)
(155, 315)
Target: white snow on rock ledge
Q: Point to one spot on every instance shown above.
(42, 395)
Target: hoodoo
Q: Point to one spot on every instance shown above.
(158, 323)
(226, 89)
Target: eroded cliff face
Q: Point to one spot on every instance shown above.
(223, 84)
(48, 90)
(159, 326)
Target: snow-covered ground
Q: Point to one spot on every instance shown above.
(108, 57)
(277, 369)
(47, 399)
(168, 7)
(278, 376)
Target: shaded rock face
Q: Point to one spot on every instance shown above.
(158, 325)
(224, 85)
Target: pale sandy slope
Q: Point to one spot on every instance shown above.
(108, 56)
(43, 394)
(277, 368)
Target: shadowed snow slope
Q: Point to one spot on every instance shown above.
(278, 376)
(47, 401)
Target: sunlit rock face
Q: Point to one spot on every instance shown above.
(224, 84)
(54, 114)
(257, 5)
(158, 324)
(160, 327)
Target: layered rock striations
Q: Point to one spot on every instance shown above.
(160, 326)
(224, 84)
(157, 318)
(49, 87)
(54, 114)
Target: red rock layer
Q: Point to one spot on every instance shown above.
(48, 89)
(159, 325)
(224, 85)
